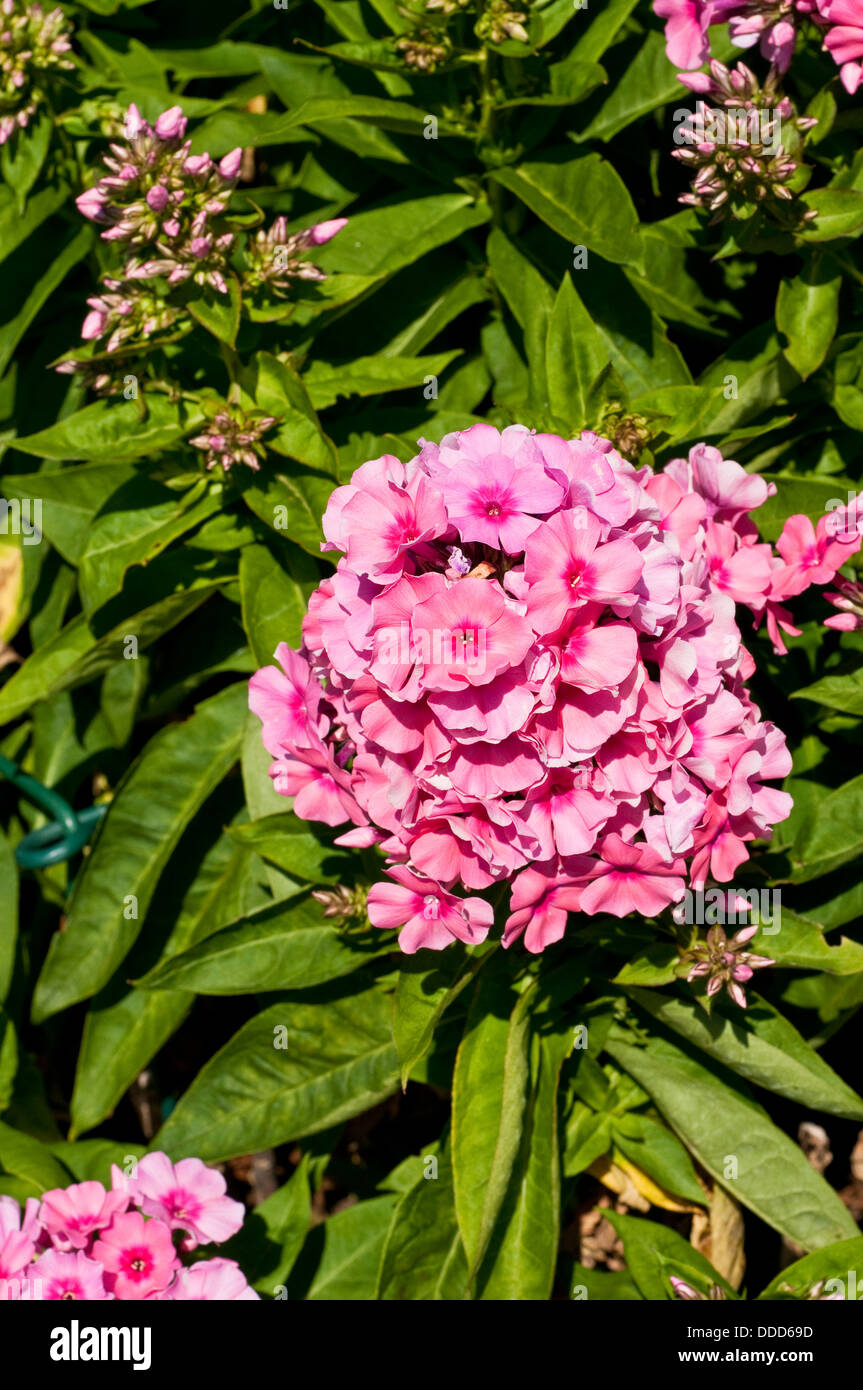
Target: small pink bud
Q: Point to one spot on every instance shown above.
(135, 123)
(197, 164)
(325, 231)
(171, 125)
(91, 204)
(229, 166)
(200, 246)
(158, 197)
(93, 325)
(171, 227)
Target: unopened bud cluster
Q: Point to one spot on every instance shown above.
(31, 43)
(735, 143)
(724, 962)
(275, 258)
(232, 435)
(160, 201)
(440, 32)
(166, 210)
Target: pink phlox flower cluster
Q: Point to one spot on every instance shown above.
(31, 44)
(87, 1242)
(161, 204)
(771, 24)
(159, 199)
(527, 669)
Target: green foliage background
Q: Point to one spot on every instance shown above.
(187, 937)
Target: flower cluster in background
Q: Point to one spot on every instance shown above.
(165, 210)
(231, 436)
(743, 170)
(86, 1242)
(527, 670)
(734, 141)
(160, 201)
(772, 25)
(31, 43)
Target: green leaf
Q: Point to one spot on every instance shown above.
(218, 313)
(530, 298)
(654, 1252)
(115, 431)
(23, 154)
(140, 520)
(800, 943)
(807, 495)
(30, 1162)
(8, 914)
(521, 1259)
(594, 1284)
(843, 693)
(281, 392)
(177, 771)
(837, 1261)
(76, 656)
(582, 199)
(293, 504)
(658, 1153)
(588, 1137)
(376, 244)
(834, 837)
(371, 376)
(73, 250)
(602, 30)
(273, 1233)
(654, 965)
(648, 82)
(353, 1242)
(423, 993)
(16, 228)
(89, 1160)
(288, 946)
(287, 841)
(489, 1097)
(254, 1094)
(807, 312)
(423, 1258)
(125, 1027)
(840, 214)
(70, 500)
(575, 357)
(717, 1118)
(273, 603)
(759, 1044)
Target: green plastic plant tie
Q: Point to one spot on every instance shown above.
(64, 836)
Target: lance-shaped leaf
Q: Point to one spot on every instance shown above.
(115, 431)
(423, 1257)
(717, 1118)
(522, 1255)
(759, 1044)
(173, 777)
(293, 1069)
(584, 200)
(489, 1095)
(288, 946)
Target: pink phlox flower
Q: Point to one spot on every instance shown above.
(72, 1214)
(137, 1255)
(218, 1280)
(428, 915)
(188, 1196)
